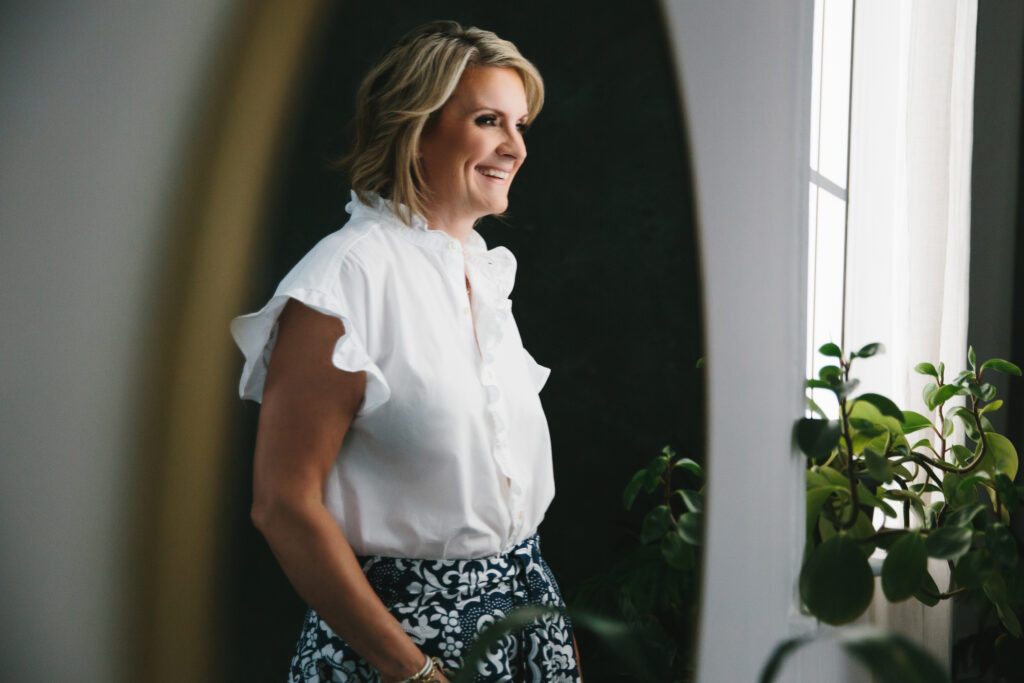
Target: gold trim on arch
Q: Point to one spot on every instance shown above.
(214, 233)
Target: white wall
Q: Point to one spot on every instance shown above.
(745, 72)
(97, 100)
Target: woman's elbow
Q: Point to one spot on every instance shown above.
(273, 511)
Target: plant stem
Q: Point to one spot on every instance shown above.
(924, 461)
(906, 504)
(850, 473)
(943, 596)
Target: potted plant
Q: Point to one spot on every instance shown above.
(898, 480)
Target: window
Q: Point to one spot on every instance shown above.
(829, 172)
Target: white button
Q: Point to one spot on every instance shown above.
(465, 310)
(520, 514)
(452, 245)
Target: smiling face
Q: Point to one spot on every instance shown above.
(472, 151)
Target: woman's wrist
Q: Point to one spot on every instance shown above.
(430, 671)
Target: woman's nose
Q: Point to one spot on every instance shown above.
(513, 145)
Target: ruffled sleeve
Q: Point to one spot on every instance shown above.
(316, 282)
(538, 373)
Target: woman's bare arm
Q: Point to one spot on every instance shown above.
(308, 405)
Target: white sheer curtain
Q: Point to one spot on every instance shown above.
(909, 215)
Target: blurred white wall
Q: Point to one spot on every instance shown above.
(97, 103)
(745, 72)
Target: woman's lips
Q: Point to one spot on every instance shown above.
(495, 173)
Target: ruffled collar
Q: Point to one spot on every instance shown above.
(497, 267)
(492, 272)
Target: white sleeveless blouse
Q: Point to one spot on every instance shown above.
(448, 456)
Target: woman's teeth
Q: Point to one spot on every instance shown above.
(494, 173)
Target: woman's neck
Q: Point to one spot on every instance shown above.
(459, 229)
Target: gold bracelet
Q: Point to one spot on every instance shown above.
(429, 673)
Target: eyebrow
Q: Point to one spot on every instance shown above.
(477, 107)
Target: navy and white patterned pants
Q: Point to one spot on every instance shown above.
(442, 605)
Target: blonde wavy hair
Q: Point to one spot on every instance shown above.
(400, 97)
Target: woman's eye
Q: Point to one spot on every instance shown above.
(523, 127)
(487, 120)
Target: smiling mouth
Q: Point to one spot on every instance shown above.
(494, 173)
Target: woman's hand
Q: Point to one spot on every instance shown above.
(308, 405)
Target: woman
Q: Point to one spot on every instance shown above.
(402, 460)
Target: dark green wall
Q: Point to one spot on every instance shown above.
(607, 292)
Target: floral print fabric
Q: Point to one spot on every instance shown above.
(442, 605)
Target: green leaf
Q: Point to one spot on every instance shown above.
(949, 542)
(690, 527)
(869, 350)
(815, 479)
(941, 395)
(817, 438)
(886, 540)
(992, 407)
(834, 476)
(836, 582)
(947, 428)
(927, 392)
(656, 523)
(690, 466)
(889, 657)
(778, 657)
(927, 593)
(613, 635)
(1000, 542)
(866, 427)
(1000, 456)
(816, 409)
(693, 501)
(633, 488)
(904, 496)
(972, 358)
(926, 369)
(902, 471)
(884, 405)
(866, 411)
(964, 516)
(904, 567)
(962, 454)
(677, 552)
(655, 470)
(878, 466)
(863, 529)
(988, 392)
(1007, 492)
(973, 389)
(995, 589)
(972, 569)
(831, 350)
(864, 496)
(963, 377)
(844, 389)
(957, 495)
(830, 373)
(1000, 365)
(817, 384)
(913, 422)
(816, 497)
